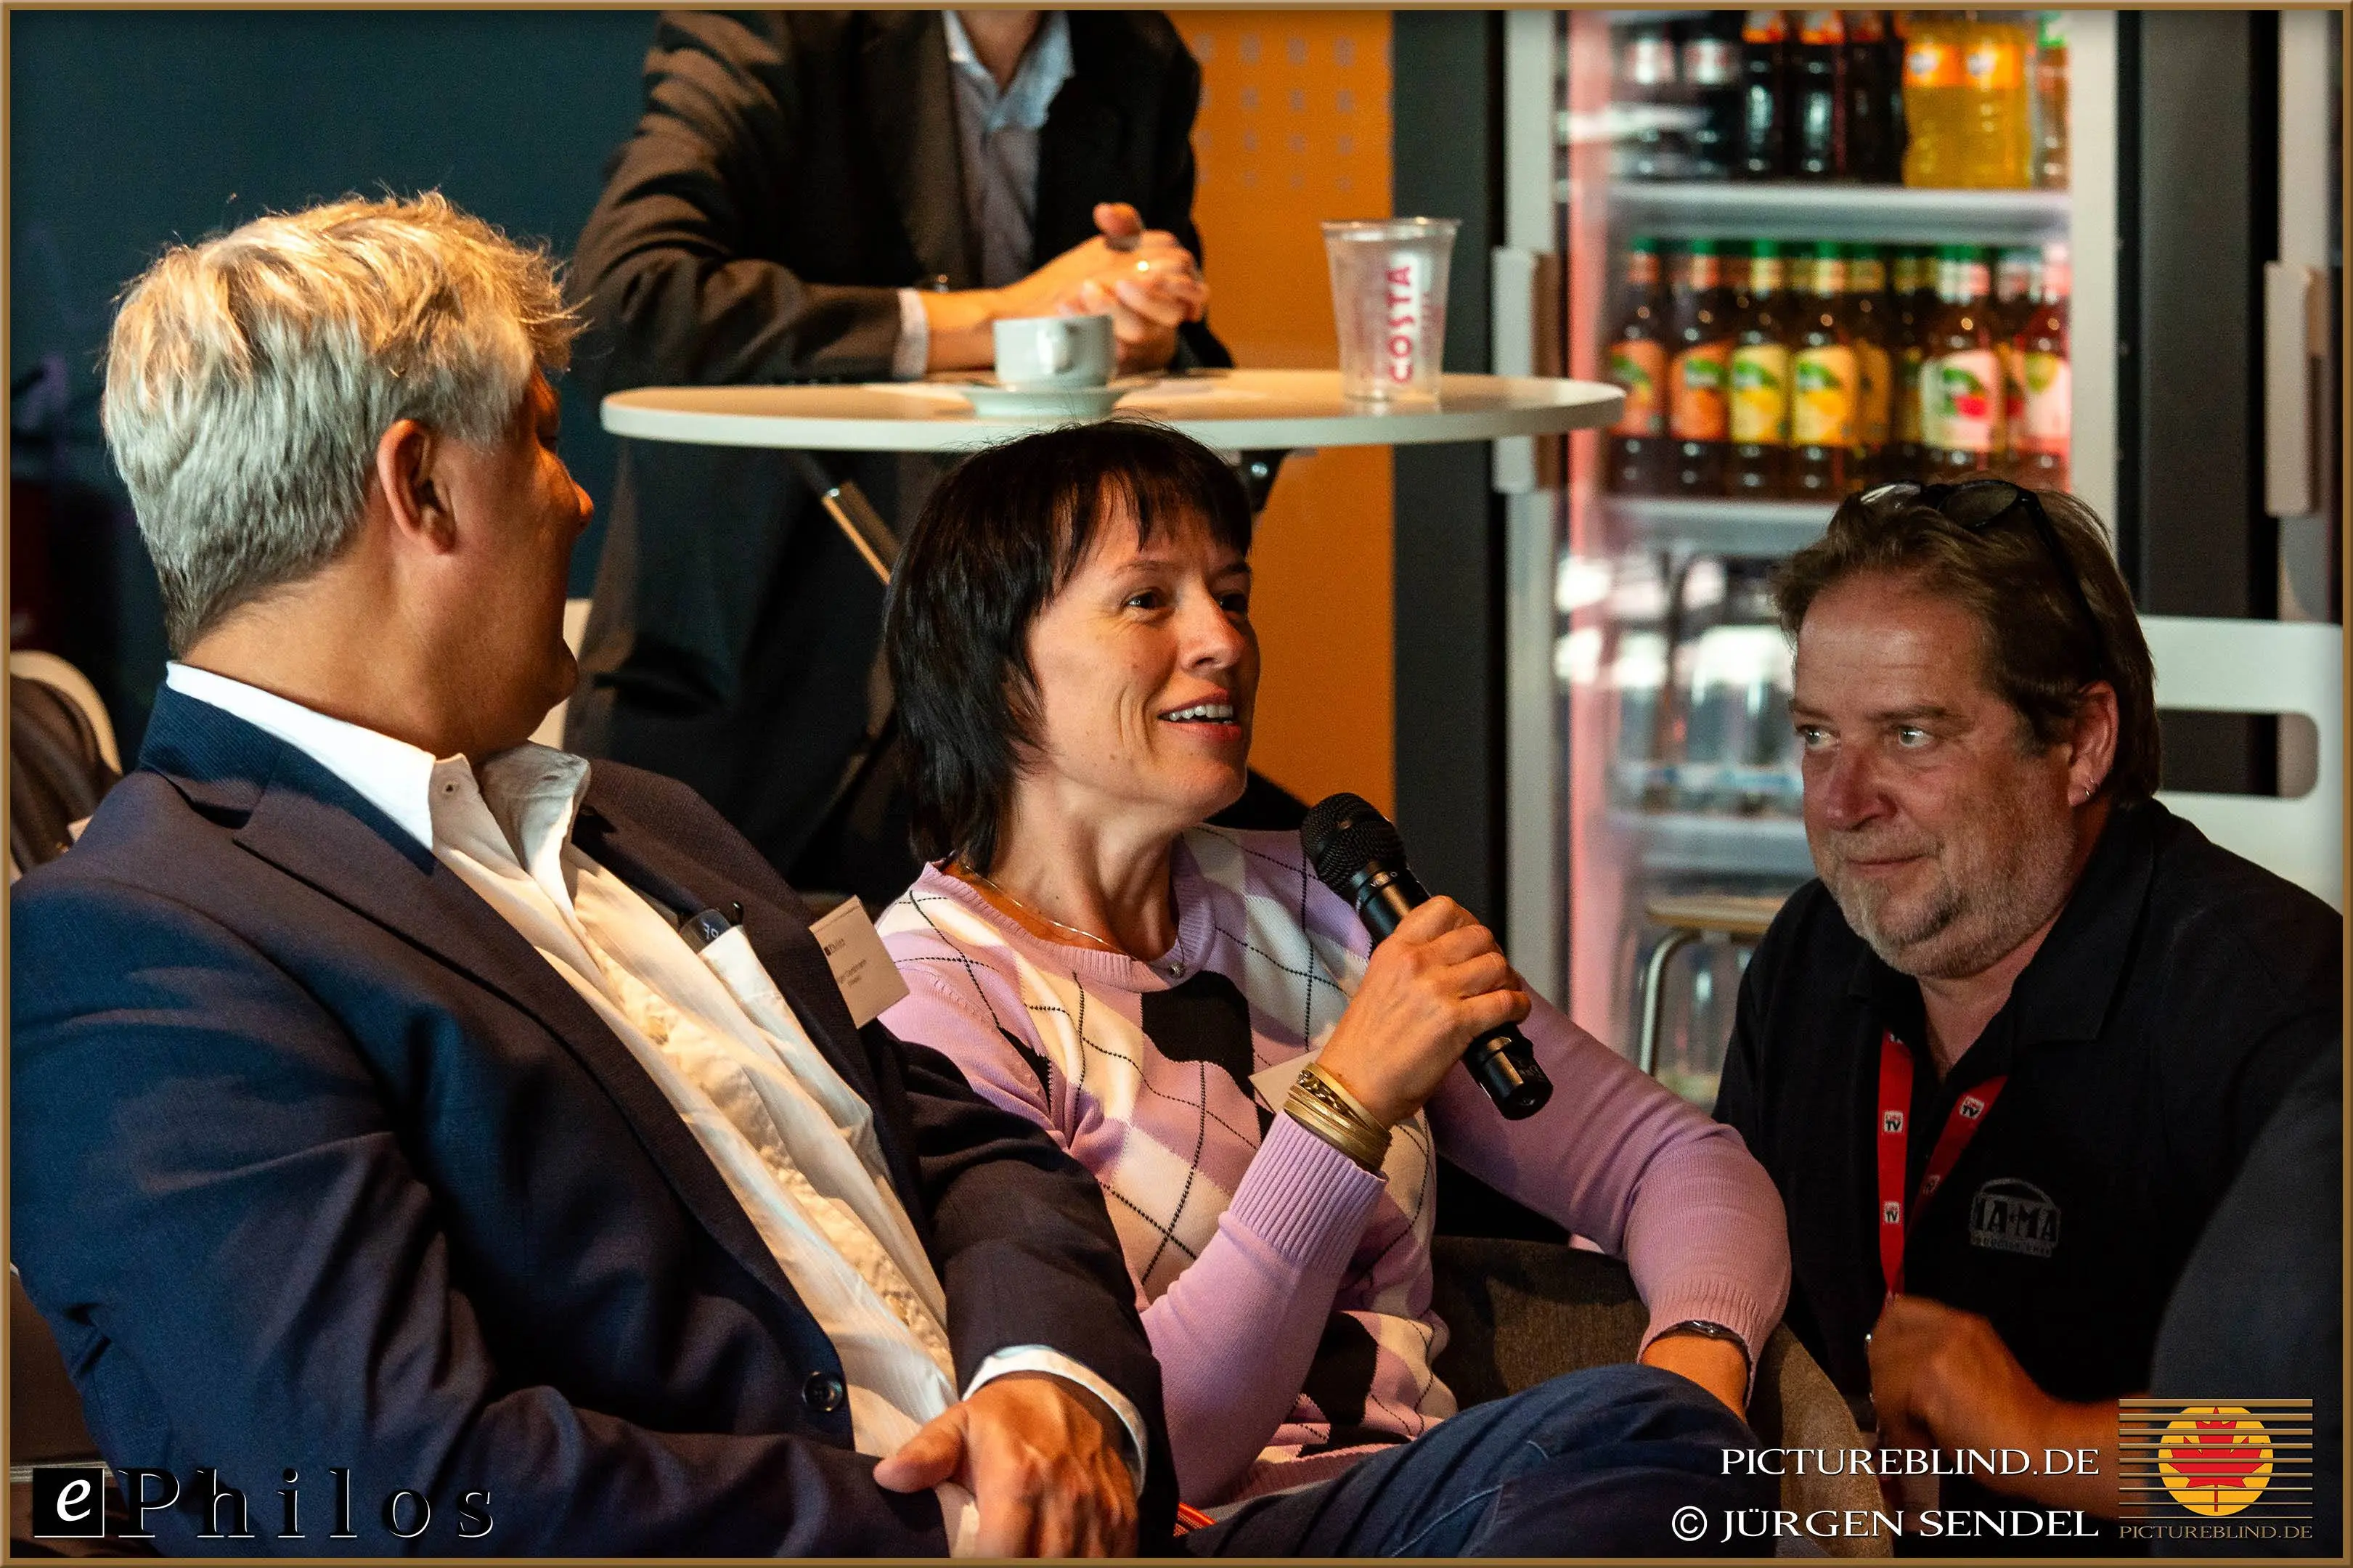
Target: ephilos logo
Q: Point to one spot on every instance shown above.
(2249, 1461)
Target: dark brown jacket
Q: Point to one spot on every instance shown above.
(793, 170)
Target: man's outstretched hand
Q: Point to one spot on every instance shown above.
(1042, 1458)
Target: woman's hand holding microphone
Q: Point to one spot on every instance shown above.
(1433, 986)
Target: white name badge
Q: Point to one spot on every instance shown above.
(870, 982)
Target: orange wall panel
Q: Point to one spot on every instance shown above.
(1294, 129)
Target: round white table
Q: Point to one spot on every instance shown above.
(1233, 410)
(1259, 413)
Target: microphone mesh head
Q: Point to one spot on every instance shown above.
(1343, 834)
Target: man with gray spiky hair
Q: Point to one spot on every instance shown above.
(423, 1142)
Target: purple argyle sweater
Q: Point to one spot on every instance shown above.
(1285, 1291)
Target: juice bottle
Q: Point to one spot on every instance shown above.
(1711, 63)
(1737, 738)
(1899, 134)
(1914, 300)
(1634, 448)
(2041, 432)
(1932, 100)
(1758, 466)
(1867, 318)
(1638, 678)
(1699, 377)
(1960, 381)
(2013, 271)
(1691, 742)
(1818, 97)
(1824, 376)
(1996, 145)
(2012, 268)
(2051, 102)
(1654, 149)
(1763, 153)
(1762, 772)
(1868, 80)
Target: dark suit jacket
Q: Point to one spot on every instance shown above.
(317, 1164)
(793, 170)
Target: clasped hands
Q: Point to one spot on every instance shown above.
(1041, 1458)
(1148, 285)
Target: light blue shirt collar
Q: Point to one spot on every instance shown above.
(1045, 66)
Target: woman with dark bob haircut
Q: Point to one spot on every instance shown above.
(1069, 636)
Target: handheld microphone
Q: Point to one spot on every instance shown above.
(1358, 853)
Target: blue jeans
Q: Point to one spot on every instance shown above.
(1595, 1463)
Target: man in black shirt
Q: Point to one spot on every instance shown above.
(2004, 1058)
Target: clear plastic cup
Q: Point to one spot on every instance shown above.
(1389, 300)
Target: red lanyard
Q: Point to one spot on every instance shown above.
(1895, 1115)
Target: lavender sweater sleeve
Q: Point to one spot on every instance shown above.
(1237, 1330)
(1620, 1158)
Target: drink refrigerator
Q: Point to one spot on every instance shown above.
(1643, 678)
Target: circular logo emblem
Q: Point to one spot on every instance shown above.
(2215, 1459)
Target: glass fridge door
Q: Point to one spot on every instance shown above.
(1780, 230)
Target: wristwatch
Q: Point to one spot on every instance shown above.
(1707, 1331)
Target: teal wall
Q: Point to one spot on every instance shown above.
(130, 129)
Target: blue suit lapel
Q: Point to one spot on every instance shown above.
(315, 828)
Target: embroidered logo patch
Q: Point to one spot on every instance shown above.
(2012, 1216)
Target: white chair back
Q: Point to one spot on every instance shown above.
(2219, 666)
(30, 664)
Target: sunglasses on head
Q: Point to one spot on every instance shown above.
(1976, 505)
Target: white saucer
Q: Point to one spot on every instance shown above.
(1040, 402)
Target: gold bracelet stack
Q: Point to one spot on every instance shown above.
(1321, 1105)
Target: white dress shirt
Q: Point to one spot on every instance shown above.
(795, 1143)
(996, 135)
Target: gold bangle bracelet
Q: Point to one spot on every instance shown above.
(1321, 1106)
(1343, 1135)
(1355, 1107)
(1366, 1156)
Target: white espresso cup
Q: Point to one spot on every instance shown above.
(1043, 354)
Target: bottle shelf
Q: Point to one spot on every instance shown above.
(1896, 215)
(1697, 843)
(1719, 527)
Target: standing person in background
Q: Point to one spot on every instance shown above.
(2005, 1057)
(844, 197)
